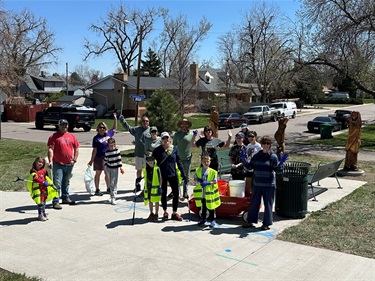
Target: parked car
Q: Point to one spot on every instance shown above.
(314, 125)
(287, 108)
(342, 116)
(231, 120)
(262, 113)
(338, 95)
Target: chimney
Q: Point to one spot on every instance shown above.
(194, 78)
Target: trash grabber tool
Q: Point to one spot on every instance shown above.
(19, 179)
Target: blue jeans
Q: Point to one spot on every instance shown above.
(268, 194)
(61, 179)
(187, 166)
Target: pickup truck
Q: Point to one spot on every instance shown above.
(76, 116)
(262, 113)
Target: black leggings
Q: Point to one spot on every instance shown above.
(211, 215)
(174, 185)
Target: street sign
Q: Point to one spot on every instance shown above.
(134, 96)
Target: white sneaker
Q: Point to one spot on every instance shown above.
(113, 201)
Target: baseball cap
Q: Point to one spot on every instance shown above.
(63, 122)
(153, 129)
(241, 135)
(243, 125)
(164, 134)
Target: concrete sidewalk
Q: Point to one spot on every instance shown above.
(95, 241)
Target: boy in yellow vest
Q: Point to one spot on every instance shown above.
(206, 192)
(152, 187)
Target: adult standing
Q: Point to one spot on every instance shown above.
(62, 155)
(183, 139)
(140, 133)
(167, 158)
(264, 163)
(210, 144)
(99, 148)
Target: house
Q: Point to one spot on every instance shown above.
(77, 100)
(40, 87)
(120, 90)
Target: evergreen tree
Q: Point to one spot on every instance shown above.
(152, 64)
(162, 110)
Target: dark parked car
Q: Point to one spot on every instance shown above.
(314, 125)
(342, 116)
(231, 120)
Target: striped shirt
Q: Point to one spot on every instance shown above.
(112, 159)
(264, 165)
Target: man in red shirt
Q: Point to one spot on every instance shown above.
(62, 155)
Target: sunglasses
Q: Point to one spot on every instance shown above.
(251, 136)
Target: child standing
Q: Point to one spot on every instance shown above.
(152, 187)
(41, 186)
(112, 161)
(206, 192)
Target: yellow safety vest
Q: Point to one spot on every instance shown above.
(212, 191)
(155, 197)
(34, 190)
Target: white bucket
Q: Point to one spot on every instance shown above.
(237, 188)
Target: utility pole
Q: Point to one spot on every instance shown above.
(66, 79)
(138, 74)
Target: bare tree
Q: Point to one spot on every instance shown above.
(342, 37)
(26, 45)
(179, 43)
(120, 33)
(266, 50)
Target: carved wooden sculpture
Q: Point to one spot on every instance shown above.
(214, 121)
(354, 142)
(280, 137)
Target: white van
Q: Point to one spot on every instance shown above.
(286, 108)
(338, 96)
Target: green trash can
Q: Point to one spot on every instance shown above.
(326, 131)
(291, 190)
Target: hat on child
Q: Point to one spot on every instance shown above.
(241, 135)
(153, 129)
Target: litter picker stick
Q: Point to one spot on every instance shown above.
(135, 200)
(19, 179)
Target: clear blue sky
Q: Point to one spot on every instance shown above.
(70, 21)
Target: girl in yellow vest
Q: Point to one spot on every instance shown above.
(41, 187)
(152, 187)
(206, 192)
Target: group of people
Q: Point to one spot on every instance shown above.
(159, 160)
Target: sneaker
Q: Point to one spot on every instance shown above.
(46, 217)
(264, 227)
(247, 225)
(176, 217)
(57, 206)
(213, 223)
(155, 218)
(68, 201)
(170, 195)
(112, 201)
(201, 222)
(98, 193)
(108, 190)
(41, 218)
(165, 216)
(151, 217)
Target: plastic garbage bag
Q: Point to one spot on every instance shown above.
(89, 181)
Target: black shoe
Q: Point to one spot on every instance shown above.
(248, 225)
(108, 190)
(264, 227)
(98, 193)
(170, 195)
(186, 195)
(141, 194)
